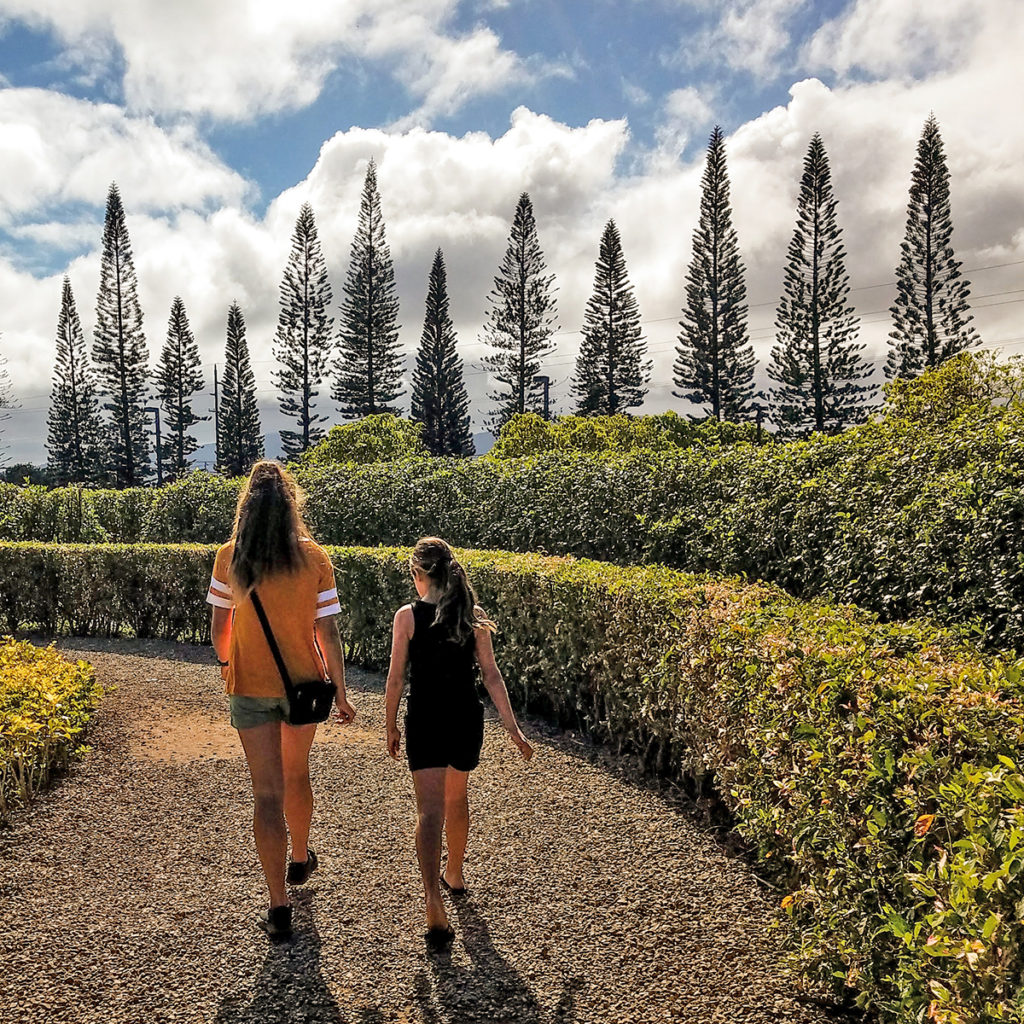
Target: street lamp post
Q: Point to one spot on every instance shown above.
(159, 459)
(545, 382)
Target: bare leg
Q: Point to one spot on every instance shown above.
(456, 825)
(298, 793)
(262, 746)
(429, 786)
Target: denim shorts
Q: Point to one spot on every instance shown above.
(248, 712)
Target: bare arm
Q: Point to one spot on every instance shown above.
(220, 632)
(329, 639)
(499, 693)
(401, 634)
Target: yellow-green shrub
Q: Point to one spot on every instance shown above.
(875, 766)
(45, 702)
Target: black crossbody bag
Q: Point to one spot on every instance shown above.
(308, 702)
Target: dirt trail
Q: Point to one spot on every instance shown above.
(130, 889)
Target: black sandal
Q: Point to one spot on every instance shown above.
(300, 870)
(451, 888)
(276, 922)
(438, 938)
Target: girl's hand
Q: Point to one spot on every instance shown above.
(343, 711)
(522, 743)
(394, 741)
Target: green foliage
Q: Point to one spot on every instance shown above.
(240, 437)
(45, 703)
(530, 434)
(380, 438)
(874, 767)
(971, 382)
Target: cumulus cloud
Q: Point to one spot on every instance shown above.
(238, 59)
(459, 192)
(746, 35)
(55, 150)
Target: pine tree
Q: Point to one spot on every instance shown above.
(931, 315)
(439, 399)
(817, 363)
(303, 339)
(178, 378)
(714, 367)
(240, 436)
(74, 437)
(611, 376)
(120, 356)
(369, 365)
(521, 320)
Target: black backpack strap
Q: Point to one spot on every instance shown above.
(274, 649)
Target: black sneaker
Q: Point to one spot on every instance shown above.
(300, 870)
(276, 922)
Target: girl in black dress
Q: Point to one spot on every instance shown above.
(443, 637)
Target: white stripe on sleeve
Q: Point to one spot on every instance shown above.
(217, 601)
(331, 609)
(326, 595)
(222, 588)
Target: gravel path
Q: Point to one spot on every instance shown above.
(130, 889)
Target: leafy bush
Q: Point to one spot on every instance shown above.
(875, 766)
(45, 702)
(380, 438)
(529, 434)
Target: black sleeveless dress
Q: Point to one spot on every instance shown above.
(444, 718)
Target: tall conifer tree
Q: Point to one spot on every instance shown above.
(817, 364)
(521, 320)
(120, 356)
(611, 374)
(240, 437)
(369, 365)
(931, 315)
(178, 378)
(303, 339)
(74, 436)
(714, 367)
(439, 399)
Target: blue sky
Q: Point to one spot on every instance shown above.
(219, 120)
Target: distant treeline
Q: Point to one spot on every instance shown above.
(99, 428)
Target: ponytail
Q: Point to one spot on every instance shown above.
(457, 613)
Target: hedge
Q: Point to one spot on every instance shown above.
(45, 702)
(876, 766)
(903, 519)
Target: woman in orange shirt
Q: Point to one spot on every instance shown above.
(270, 549)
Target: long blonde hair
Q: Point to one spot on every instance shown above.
(457, 612)
(269, 528)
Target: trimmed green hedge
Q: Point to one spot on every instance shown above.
(902, 518)
(45, 703)
(877, 766)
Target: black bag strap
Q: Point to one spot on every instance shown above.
(274, 649)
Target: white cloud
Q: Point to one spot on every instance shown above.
(903, 38)
(237, 59)
(55, 149)
(684, 111)
(460, 192)
(747, 35)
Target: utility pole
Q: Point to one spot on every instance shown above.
(159, 460)
(216, 419)
(545, 382)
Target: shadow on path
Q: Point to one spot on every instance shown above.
(491, 990)
(289, 986)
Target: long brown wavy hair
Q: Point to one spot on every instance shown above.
(457, 613)
(268, 527)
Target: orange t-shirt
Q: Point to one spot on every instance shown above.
(293, 602)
